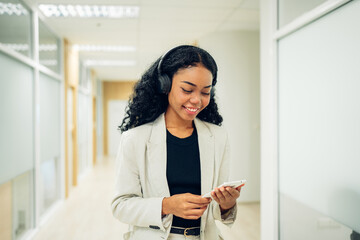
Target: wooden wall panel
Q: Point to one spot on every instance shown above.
(5, 212)
(71, 73)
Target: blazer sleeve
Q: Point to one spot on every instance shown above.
(224, 170)
(128, 204)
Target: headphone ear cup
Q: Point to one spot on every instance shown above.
(164, 84)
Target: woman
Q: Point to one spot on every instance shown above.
(172, 151)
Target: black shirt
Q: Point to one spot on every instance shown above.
(183, 170)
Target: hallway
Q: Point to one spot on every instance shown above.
(86, 214)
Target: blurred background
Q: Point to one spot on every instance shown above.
(287, 90)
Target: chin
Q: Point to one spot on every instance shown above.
(188, 117)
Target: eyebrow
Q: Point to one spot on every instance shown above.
(190, 83)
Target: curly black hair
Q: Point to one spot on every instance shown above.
(147, 102)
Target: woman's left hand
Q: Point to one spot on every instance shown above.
(226, 197)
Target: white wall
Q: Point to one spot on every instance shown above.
(116, 112)
(237, 91)
(268, 151)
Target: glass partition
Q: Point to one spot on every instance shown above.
(290, 9)
(319, 133)
(49, 141)
(16, 199)
(15, 26)
(22, 200)
(16, 118)
(49, 54)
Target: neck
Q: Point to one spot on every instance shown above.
(172, 120)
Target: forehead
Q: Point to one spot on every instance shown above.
(195, 74)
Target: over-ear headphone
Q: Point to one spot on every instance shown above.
(164, 79)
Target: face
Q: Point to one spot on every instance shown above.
(190, 92)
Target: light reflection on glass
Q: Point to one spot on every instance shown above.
(48, 48)
(15, 26)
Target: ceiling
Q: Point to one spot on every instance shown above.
(161, 25)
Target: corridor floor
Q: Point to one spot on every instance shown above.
(86, 214)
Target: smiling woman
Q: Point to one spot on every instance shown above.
(150, 98)
(173, 151)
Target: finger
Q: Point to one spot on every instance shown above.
(196, 206)
(199, 199)
(239, 187)
(225, 192)
(219, 194)
(215, 197)
(233, 192)
(195, 212)
(195, 217)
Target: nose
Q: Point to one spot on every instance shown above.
(195, 99)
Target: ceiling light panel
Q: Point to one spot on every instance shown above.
(109, 63)
(104, 48)
(12, 9)
(25, 47)
(89, 11)
(49, 62)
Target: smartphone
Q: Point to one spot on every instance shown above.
(233, 184)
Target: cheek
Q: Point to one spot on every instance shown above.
(177, 99)
(205, 102)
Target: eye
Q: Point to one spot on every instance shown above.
(187, 91)
(207, 94)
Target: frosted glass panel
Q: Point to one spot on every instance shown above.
(49, 118)
(319, 117)
(16, 118)
(49, 184)
(50, 141)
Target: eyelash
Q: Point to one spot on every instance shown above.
(186, 91)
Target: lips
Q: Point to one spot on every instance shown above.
(192, 110)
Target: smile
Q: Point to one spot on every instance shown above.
(192, 110)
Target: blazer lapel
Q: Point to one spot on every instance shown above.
(207, 155)
(156, 157)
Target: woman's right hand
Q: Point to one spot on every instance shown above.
(186, 205)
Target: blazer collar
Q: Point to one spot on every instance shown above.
(157, 155)
(158, 132)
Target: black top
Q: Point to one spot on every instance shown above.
(183, 170)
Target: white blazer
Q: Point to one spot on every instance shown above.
(141, 182)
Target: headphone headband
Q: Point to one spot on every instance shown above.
(164, 81)
(166, 54)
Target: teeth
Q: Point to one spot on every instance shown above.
(192, 109)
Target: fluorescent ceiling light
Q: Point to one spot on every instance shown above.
(109, 63)
(104, 48)
(47, 47)
(49, 62)
(17, 47)
(89, 11)
(25, 47)
(12, 9)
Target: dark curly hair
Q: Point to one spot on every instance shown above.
(147, 103)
